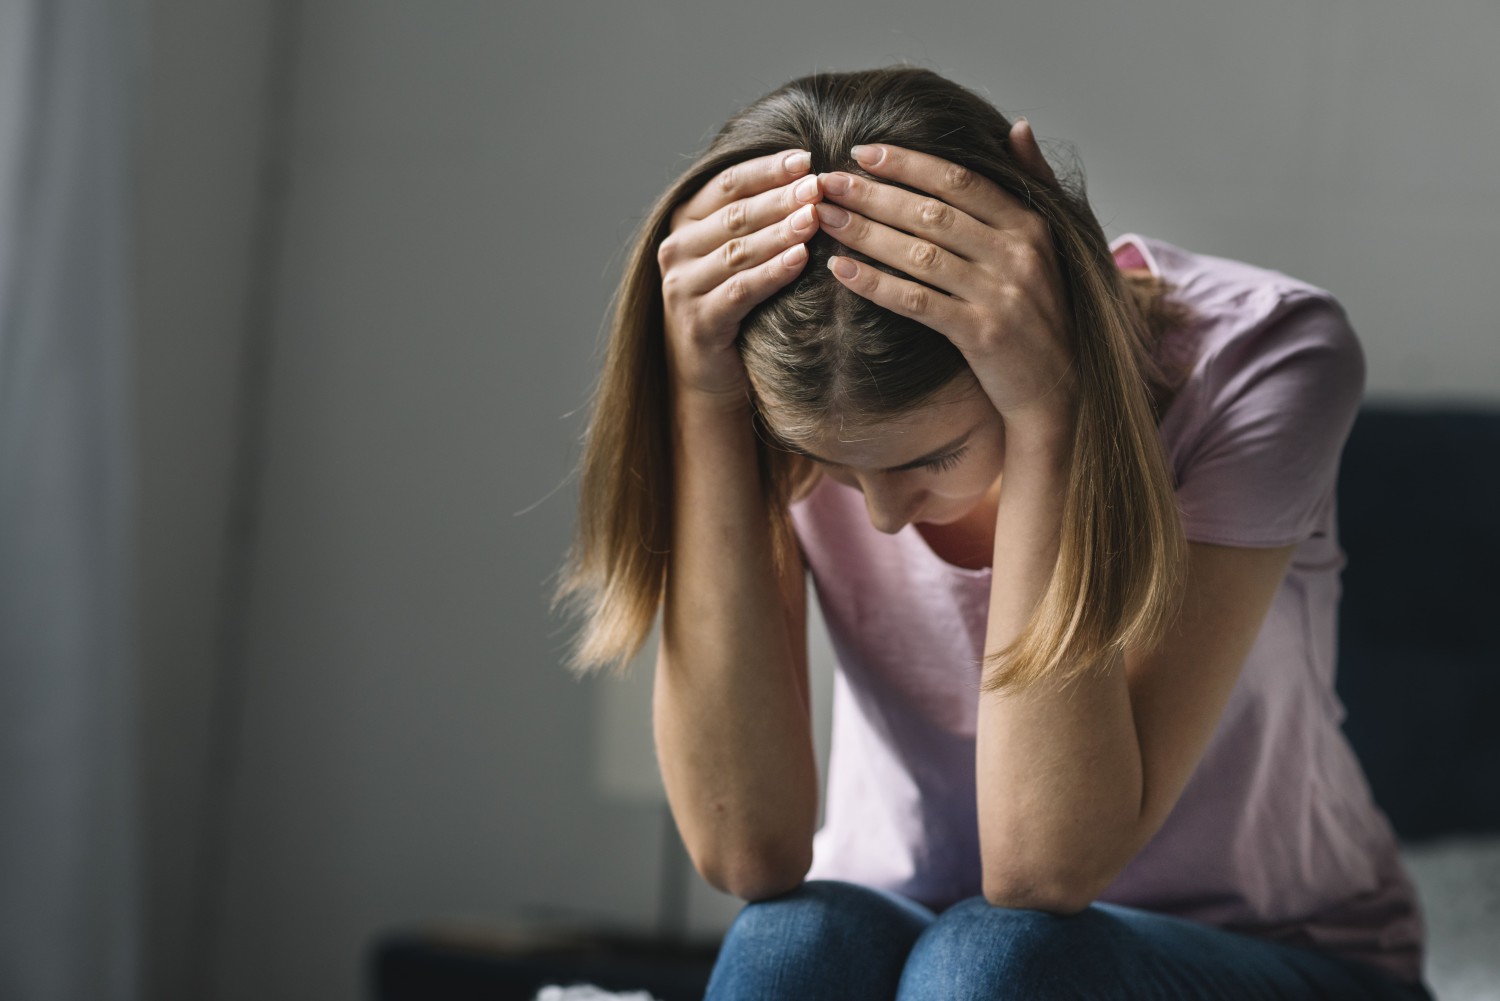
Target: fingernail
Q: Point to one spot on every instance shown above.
(806, 189)
(796, 163)
(868, 155)
(794, 256)
(834, 216)
(835, 184)
(803, 218)
(843, 267)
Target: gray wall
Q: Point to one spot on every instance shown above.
(463, 177)
(200, 153)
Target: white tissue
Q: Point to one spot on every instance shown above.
(588, 992)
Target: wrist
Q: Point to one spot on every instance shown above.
(704, 426)
(692, 403)
(1044, 427)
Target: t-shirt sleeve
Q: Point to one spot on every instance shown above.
(1281, 401)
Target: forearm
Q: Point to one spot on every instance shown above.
(1058, 772)
(732, 723)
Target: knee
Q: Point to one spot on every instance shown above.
(824, 939)
(976, 950)
(818, 918)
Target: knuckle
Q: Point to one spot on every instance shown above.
(736, 217)
(1036, 227)
(666, 252)
(935, 214)
(728, 179)
(960, 178)
(924, 255)
(737, 291)
(1022, 258)
(1012, 296)
(1017, 255)
(734, 252)
(915, 300)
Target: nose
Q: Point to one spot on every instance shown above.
(890, 507)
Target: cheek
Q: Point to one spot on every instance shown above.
(968, 484)
(956, 484)
(839, 476)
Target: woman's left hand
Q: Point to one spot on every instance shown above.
(1004, 307)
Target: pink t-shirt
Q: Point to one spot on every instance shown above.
(1276, 834)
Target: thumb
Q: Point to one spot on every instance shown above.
(1023, 142)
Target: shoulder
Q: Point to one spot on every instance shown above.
(1255, 434)
(1252, 322)
(1258, 333)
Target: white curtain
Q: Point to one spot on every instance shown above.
(70, 893)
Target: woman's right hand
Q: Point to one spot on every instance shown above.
(731, 245)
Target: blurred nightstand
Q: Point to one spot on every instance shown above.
(511, 963)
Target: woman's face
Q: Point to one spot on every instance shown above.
(933, 466)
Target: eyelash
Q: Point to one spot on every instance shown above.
(946, 462)
(939, 465)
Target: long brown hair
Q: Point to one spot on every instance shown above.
(815, 349)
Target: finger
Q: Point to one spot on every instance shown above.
(699, 274)
(1023, 143)
(746, 289)
(932, 219)
(742, 180)
(966, 190)
(738, 219)
(943, 313)
(918, 257)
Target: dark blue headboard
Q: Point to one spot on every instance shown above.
(1419, 625)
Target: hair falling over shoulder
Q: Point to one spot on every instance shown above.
(814, 352)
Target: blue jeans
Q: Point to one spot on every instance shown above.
(830, 940)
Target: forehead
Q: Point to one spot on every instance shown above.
(956, 402)
(919, 434)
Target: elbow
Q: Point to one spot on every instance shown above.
(1027, 891)
(758, 875)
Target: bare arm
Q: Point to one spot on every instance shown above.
(1059, 773)
(1072, 785)
(730, 704)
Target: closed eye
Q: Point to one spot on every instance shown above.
(945, 462)
(939, 464)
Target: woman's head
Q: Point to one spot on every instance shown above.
(933, 464)
(826, 367)
(818, 354)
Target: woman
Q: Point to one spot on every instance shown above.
(1068, 508)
